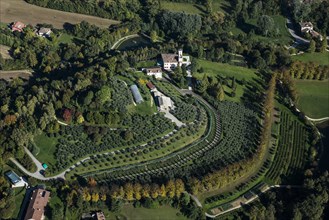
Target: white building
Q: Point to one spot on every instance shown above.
(154, 71)
(171, 61)
(164, 102)
(307, 27)
(44, 32)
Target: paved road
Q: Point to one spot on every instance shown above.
(298, 39)
(240, 204)
(118, 42)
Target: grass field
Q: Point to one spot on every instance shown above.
(320, 58)
(162, 213)
(214, 68)
(313, 97)
(182, 7)
(19, 196)
(47, 148)
(19, 10)
(190, 8)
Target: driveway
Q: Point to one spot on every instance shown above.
(298, 39)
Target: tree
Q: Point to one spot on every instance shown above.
(170, 188)
(137, 191)
(129, 192)
(67, 115)
(154, 190)
(311, 48)
(324, 45)
(203, 85)
(220, 94)
(95, 197)
(104, 94)
(179, 187)
(265, 25)
(153, 36)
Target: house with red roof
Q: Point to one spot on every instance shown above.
(18, 26)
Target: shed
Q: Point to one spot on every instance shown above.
(45, 166)
(137, 96)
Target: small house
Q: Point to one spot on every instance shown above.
(164, 103)
(154, 71)
(44, 32)
(150, 86)
(18, 26)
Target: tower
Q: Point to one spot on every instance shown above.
(180, 56)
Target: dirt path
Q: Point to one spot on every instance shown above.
(13, 74)
(19, 10)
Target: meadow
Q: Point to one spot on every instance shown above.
(19, 10)
(313, 97)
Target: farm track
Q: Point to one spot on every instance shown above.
(19, 10)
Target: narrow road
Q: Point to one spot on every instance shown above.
(118, 42)
(298, 39)
(240, 204)
(36, 174)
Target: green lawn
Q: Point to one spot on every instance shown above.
(320, 58)
(19, 196)
(217, 5)
(65, 38)
(313, 97)
(128, 212)
(47, 148)
(182, 7)
(214, 68)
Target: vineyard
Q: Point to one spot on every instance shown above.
(291, 152)
(222, 144)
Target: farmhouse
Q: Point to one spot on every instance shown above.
(15, 180)
(44, 32)
(38, 202)
(136, 94)
(154, 71)
(18, 26)
(171, 61)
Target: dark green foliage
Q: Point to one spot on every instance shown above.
(178, 24)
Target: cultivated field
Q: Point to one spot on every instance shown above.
(4, 51)
(19, 10)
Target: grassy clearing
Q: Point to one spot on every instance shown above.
(320, 58)
(162, 213)
(182, 7)
(145, 108)
(313, 97)
(19, 196)
(19, 10)
(215, 69)
(190, 8)
(47, 148)
(65, 38)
